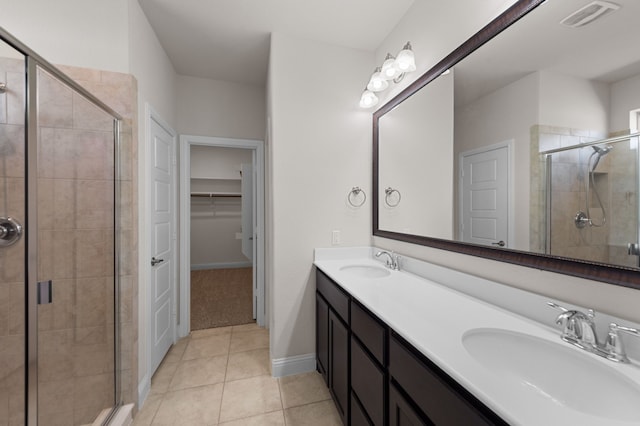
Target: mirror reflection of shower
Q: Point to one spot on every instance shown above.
(583, 218)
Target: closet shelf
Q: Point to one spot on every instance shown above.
(216, 194)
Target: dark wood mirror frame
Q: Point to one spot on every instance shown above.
(616, 275)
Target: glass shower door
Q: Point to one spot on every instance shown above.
(76, 340)
(12, 251)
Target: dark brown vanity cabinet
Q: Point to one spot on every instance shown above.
(425, 394)
(368, 372)
(332, 340)
(377, 378)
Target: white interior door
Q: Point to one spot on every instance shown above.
(247, 210)
(162, 235)
(485, 197)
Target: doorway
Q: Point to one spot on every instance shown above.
(221, 239)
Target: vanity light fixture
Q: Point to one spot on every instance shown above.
(393, 68)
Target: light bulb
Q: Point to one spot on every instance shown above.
(377, 83)
(368, 99)
(406, 61)
(389, 70)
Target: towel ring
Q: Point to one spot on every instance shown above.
(353, 195)
(389, 194)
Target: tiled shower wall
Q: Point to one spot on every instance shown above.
(75, 192)
(616, 180)
(119, 91)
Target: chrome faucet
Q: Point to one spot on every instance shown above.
(579, 329)
(613, 346)
(392, 261)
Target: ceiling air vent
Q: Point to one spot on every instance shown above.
(589, 13)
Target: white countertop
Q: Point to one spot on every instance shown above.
(434, 318)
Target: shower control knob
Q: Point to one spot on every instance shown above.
(10, 231)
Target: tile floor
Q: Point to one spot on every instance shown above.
(223, 376)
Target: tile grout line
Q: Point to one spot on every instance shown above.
(284, 417)
(224, 380)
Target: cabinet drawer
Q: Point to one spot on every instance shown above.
(367, 382)
(336, 297)
(370, 332)
(437, 396)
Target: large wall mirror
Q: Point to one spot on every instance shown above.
(522, 144)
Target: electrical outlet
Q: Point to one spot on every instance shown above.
(335, 238)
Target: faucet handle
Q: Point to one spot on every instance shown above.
(614, 346)
(578, 327)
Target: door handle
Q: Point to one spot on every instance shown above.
(499, 243)
(155, 261)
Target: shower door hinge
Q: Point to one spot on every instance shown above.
(45, 293)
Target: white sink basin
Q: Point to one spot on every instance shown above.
(366, 271)
(565, 376)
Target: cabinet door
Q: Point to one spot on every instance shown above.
(367, 382)
(401, 413)
(322, 337)
(339, 364)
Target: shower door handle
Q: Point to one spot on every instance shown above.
(155, 261)
(499, 243)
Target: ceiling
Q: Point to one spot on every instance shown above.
(229, 39)
(605, 50)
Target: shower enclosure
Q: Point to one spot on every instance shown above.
(59, 223)
(591, 196)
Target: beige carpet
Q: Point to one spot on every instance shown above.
(221, 297)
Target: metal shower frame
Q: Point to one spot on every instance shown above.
(33, 61)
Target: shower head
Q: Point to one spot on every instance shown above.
(599, 152)
(602, 150)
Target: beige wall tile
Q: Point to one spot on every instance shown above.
(12, 158)
(86, 115)
(15, 97)
(54, 102)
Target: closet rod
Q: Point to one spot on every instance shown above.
(214, 194)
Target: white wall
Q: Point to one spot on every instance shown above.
(572, 102)
(417, 145)
(625, 97)
(506, 114)
(434, 38)
(319, 148)
(208, 107)
(89, 34)
(156, 88)
(435, 29)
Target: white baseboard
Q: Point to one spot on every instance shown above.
(222, 265)
(144, 387)
(293, 365)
